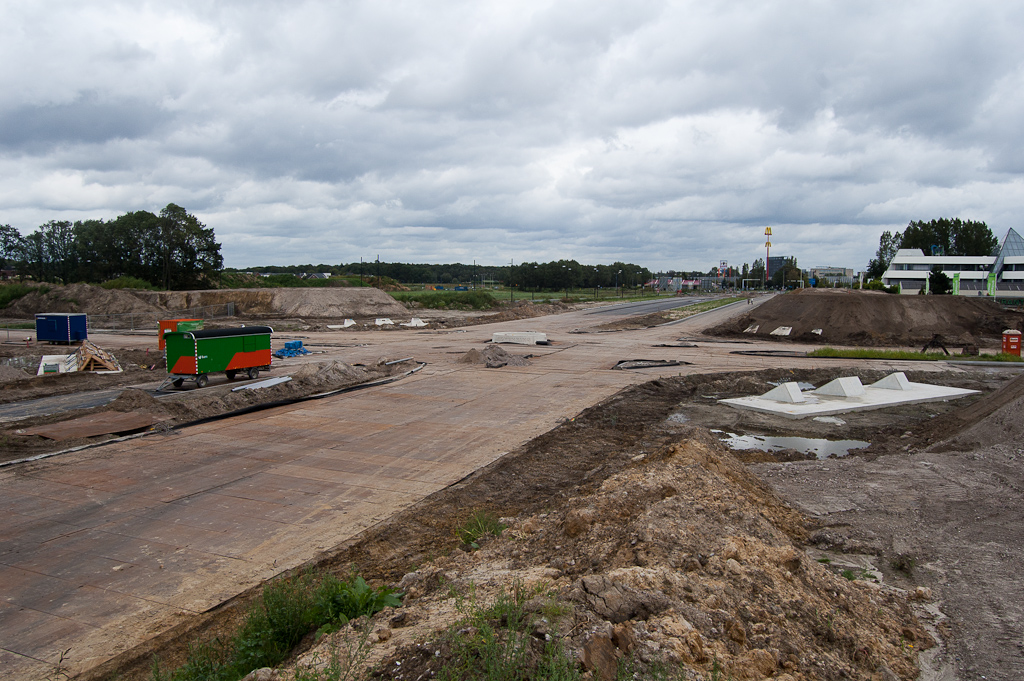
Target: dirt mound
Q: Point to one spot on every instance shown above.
(995, 419)
(9, 373)
(78, 298)
(134, 399)
(869, 318)
(494, 357)
(683, 558)
(322, 303)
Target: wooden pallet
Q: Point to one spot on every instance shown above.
(91, 357)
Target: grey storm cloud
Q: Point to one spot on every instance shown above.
(667, 133)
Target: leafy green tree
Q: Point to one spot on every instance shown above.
(58, 238)
(757, 271)
(189, 252)
(10, 246)
(939, 282)
(888, 244)
(950, 237)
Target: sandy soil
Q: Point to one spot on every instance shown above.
(661, 544)
(848, 317)
(635, 497)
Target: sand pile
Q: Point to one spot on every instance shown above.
(848, 317)
(78, 298)
(494, 357)
(9, 373)
(683, 559)
(328, 374)
(314, 303)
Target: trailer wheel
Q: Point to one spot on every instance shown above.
(202, 381)
(178, 382)
(230, 373)
(254, 372)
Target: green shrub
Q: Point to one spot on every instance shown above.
(128, 282)
(11, 292)
(287, 610)
(448, 300)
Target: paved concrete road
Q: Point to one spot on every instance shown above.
(642, 307)
(104, 548)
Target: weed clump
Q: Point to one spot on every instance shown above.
(286, 612)
(479, 525)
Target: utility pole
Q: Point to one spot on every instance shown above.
(511, 292)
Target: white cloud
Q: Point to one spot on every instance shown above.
(667, 133)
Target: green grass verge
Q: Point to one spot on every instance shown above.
(287, 610)
(867, 353)
(448, 300)
(712, 304)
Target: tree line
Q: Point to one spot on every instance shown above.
(170, 250)
(554, 275)
(944, 236)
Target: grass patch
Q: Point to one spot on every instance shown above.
(480, 524)
(495, 642)
(712, 304)
(286, 611)
(11, 292)
(18, 325)
(128, 282)
(867, 353)
(448, 300)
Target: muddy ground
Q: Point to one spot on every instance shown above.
(636, 503)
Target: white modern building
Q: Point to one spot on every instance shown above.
(1001, 275)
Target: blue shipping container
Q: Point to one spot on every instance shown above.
(62, 327)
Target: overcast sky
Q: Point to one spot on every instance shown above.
(669, 134)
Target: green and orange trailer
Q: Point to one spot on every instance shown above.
(193, 355)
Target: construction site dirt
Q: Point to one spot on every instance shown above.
(871, 318)
(716, 551)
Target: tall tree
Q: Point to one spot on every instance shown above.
(947, 236)
(10, 246)
(888, 244)
(188, 249)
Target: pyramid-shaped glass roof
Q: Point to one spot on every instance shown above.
(1013, 246)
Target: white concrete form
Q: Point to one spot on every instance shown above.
(520, 337)
(844, 395)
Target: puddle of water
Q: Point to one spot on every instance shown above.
(821, 448)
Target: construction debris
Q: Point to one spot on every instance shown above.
(291, 349)
(648, 363)
(96, 424)
(89, 357)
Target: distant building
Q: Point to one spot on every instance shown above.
(833, 275)
(911, 267)
(776, 263)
